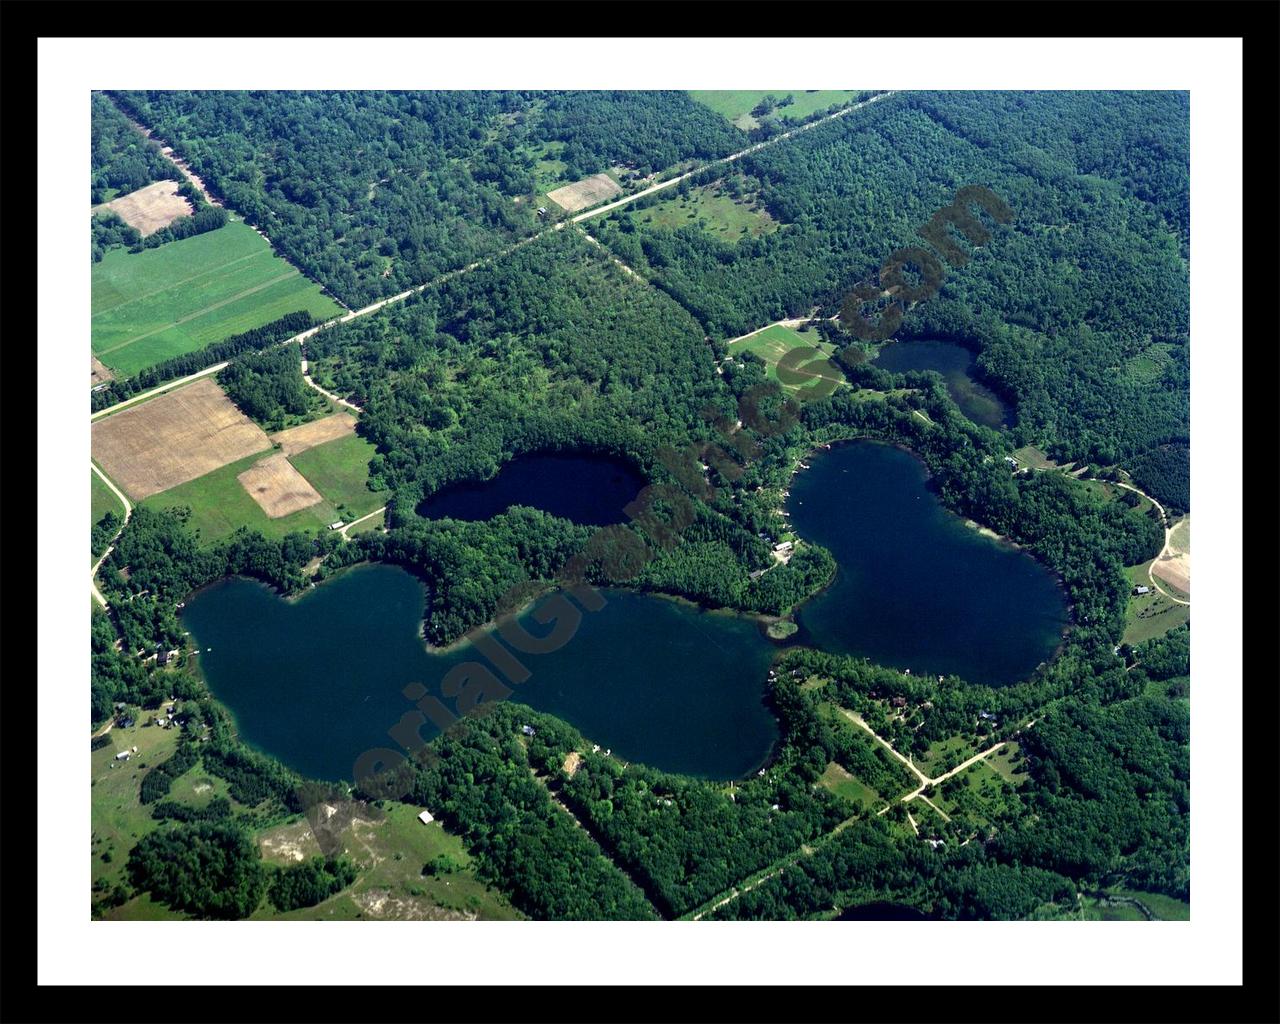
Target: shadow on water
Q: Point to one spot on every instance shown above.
(957, 366)
(587, 488)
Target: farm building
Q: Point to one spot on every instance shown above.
(425, 818)
(1142, 590)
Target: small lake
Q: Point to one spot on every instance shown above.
(589, 489)
(956, 364)
(916, 588)
(318, 681)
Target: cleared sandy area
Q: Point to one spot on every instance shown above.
(584, 193)
(177, 437)
(277, 487)
(98, 373)
(317, 432)
(150, 208)
(1174, 566)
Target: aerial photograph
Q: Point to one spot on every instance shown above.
(641, 505)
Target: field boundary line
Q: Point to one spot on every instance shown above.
(199, 313)
(185, 280)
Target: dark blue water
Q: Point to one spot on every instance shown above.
(916, 588)
(589, 489)
(956, 364)
(318, 681)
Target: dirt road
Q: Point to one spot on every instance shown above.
(1164, 551)
(128, 511)
(355, 522)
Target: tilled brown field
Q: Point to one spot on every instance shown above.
(277, 487)
(584, 193)
(177, 437)
(152, 207)
(330, 428)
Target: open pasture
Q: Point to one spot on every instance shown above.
(175, 438)
(735, 105)
(339, 469)
(584, 193)
(1152, 614)
(714, 211)
(151, 207)
(776, 341)
(181, 296)
(277, 487)
(220, 505)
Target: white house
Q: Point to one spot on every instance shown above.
(425, 818)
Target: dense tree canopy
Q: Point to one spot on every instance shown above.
(120, 159)
(207, 870)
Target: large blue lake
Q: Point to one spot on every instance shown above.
(916, 588)
(319, 680)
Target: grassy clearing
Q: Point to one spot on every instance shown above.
(118, 818)
(1005, 764)
(391, 854)
(1033, 458)
(372, 523)
(1148, 366)
(842, 784)
(184, 295)
(943, 755)
(1150, 615)
(102, 499)
(714, 211)
(735, 105)
(1165, 908)
(220, 505)
(340, 471)
(980, 793)
(774, 342)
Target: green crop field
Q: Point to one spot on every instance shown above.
(711, 209)
(163, 302)
(774, 342)
(340, 471)
(220, 505)
(736, 104)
